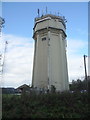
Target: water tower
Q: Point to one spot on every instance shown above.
(50, 61)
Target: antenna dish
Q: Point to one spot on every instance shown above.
(64, 19)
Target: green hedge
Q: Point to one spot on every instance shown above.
(51, 105)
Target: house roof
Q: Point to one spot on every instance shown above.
(23, 86)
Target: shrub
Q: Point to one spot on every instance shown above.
(51, 105)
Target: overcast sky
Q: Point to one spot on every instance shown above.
(18, 31)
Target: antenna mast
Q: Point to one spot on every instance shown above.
(38, 13)
(0, 64)
(5, 52)
(46, 9)
(3, 61)
(2, 21)
(58, 13)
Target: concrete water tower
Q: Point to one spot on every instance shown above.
(50, 61)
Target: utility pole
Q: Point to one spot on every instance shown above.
(85, 71)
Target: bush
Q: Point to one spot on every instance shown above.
(51, 105)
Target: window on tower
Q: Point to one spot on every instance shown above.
(44, 38)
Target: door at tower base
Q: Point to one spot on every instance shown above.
(50, 62)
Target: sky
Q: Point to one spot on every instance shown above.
(18, 31)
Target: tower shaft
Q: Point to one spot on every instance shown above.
(50, 63)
